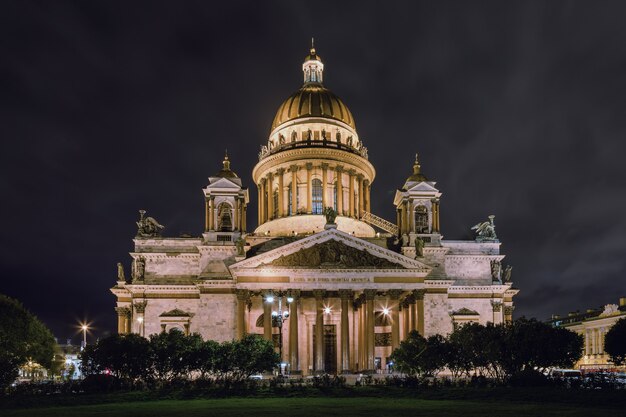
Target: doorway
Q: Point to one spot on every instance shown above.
(330, 348)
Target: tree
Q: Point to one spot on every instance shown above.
(126, 357)
(167, 354)
(615, 342)
(248, 356)
(407, 357)
(22, 338)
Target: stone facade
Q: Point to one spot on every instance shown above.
(354, 288)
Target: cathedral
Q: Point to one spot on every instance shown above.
(335, 287)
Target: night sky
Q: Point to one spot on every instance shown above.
(517, 109)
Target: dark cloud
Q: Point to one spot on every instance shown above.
(517, 109)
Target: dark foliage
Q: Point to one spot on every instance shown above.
(615, 342)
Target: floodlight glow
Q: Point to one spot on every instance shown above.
(269, 299)
(327, 310)
(385, 311)
(290, 299)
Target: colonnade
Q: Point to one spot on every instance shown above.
(238, 214)
(357, 202)
(594, 341)
(357, 317)
(406, 216)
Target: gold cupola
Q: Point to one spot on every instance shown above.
(313, 159)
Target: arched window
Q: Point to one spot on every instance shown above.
(224, 218)
(275, 212)
(317, 197)
(421, 219)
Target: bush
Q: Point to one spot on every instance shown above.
(529, 378)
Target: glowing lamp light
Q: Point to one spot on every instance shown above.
(140, 319)
(274, 313)
(385, 311)
(84, 327)
(269, 299)
(290, 299)
(327, 310)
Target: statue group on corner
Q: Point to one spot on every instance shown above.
(498, 275)
(486, 231)
(147, 226)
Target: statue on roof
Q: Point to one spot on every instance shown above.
(120, 272)
(330, 215)
(507, 273)
(148, 226)
(486, 231)
(419, 247)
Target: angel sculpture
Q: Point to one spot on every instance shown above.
(486, 231)
(148, 226)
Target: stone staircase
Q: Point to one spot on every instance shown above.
(379, 222)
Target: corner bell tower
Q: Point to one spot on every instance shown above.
(226, 202)
(417, 208)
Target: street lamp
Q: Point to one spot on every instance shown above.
(279, 317)
(84, 327)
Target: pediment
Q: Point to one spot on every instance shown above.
(331, 249)
(222, 183)
(422, 187)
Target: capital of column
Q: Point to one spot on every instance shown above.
(309, 166)
(295, 294)
(351, 172)
(242, 295)
(346, 294)
(280, 171)
(394, 294)
(293, 168)
(366, 182)
(369, 294)
(122, 311)
(497, 306)
(324, 165)
(339, 168)
(418, 294)
(508, 310)
(360, 177)
(319, 294)
(140, 306)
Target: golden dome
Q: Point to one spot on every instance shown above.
(313, 100)
(226, 172)
(417, 172)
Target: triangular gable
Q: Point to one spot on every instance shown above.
(223, 183)
(422, 187)
(331, 248)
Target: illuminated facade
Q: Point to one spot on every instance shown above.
(593, 325)
(354, 288)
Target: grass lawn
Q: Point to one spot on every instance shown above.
(319, 407)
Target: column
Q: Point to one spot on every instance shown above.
(123, 315)
(259, 202)
(270, 196)
(405, 319)
(267, 320)
(351, 193)
(508, 314)
(263, 203)
(324, 186)
(211, 213)
(294, 360)
(236, 215)
(367, 185)
(294, 189)
(206, 215)
(346, 298)
(435, 203)
(394, 306)
(403, 218)
(281, 192)
(587, 342)
(309, 188)
(319, 330)
(399, 221)
(411, 313)
(370, 333)
(244, 215)
(362, 342)
(242, 298)
(140, 310)
(411, 216)
(361, 195)
(419, 310)
(338, 176)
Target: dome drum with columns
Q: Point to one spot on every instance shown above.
(314, 159)
(352, 295)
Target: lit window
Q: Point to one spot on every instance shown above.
(317, 197)
(421, 219)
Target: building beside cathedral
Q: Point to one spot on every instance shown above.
(352, 286)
